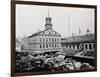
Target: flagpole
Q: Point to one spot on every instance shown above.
(48, 12)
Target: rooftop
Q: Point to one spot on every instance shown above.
(82, 38)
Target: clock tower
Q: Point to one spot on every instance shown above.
(48, 23)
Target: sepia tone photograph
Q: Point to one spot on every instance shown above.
(54, 38)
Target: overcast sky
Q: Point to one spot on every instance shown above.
(31, 18)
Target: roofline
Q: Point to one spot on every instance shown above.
(35, 34)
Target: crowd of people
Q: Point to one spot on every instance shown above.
(30, 62)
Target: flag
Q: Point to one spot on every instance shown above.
(88, 31)
(73, 34)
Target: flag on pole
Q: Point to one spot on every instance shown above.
(88, 31)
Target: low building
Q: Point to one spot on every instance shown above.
(84, 43)
(18, 45)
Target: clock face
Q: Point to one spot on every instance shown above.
(48, 19)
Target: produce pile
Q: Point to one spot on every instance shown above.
(26, 62)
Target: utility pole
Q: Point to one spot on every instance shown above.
(79, 31)
(69, 24)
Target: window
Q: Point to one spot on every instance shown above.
(73, 46)
(70, 46)
(55, 45)
(52, 45)
(66, 45)
(43, 39)
(40, 46)
(52, 39)
(49, 39)
(82, 45)
(47, 46)
(55, 39)
(90, 47)
(86, 46)
(46, 39)
(77, 46)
